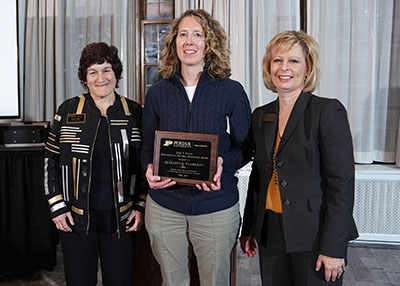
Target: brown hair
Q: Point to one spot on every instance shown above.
(216, 51)
(287, 40)
(99, 53)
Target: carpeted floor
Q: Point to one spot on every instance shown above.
(369, 265)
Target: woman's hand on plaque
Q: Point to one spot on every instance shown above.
(155, 182)
(217, 179)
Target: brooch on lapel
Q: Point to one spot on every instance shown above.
(269, 117)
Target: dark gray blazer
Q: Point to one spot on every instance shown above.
(315, 167)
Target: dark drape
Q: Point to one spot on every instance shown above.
(28, 237)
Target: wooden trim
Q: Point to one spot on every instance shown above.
(138, 54)
(156, 21)
(142, 52)
(143, 10)
(303, 15)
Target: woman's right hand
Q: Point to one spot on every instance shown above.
(155, 182)
(248, 245)
(61, 221)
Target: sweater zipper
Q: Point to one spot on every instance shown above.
(190, 117)
(90, 175)
(189, 103)
(113, 177)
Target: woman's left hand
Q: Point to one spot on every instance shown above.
(137, 216)
(217, 179)
(334, 267)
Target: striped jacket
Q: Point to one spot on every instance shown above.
(69, 150)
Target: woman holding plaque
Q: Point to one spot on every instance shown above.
(301, 192)
(195, 96)
(92, 175)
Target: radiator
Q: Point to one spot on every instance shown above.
(377, 201)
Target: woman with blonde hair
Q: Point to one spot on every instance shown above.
(195, 96)
(301, 192)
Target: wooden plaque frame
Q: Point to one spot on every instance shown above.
(184, 153)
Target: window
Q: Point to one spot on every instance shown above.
(155, 23)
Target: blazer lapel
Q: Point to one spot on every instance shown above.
(297, 113)
(269, 124)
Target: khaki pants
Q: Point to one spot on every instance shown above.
(212, 235)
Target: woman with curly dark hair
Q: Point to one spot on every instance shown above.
(195, 96)
(91, 176)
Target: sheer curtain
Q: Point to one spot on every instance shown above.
(250, 25)
(359, 42)
(42, 59)
(232, 16)
(265, 19)
(55, 34)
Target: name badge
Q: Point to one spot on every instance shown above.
(76, 118)
(269, 117)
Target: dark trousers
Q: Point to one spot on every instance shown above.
(81, 253)
(279, 268)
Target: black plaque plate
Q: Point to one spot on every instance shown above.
(187, 158)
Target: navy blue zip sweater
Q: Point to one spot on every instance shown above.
(215, 102)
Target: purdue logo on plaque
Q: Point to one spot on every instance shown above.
(187, 158)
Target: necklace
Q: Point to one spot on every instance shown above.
(275, 172)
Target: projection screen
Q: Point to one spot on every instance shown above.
(9, 96)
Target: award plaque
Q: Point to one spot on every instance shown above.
(187, 158)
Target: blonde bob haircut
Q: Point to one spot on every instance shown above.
(216, 50)
(286, 41)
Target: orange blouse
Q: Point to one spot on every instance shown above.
(273, 201)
